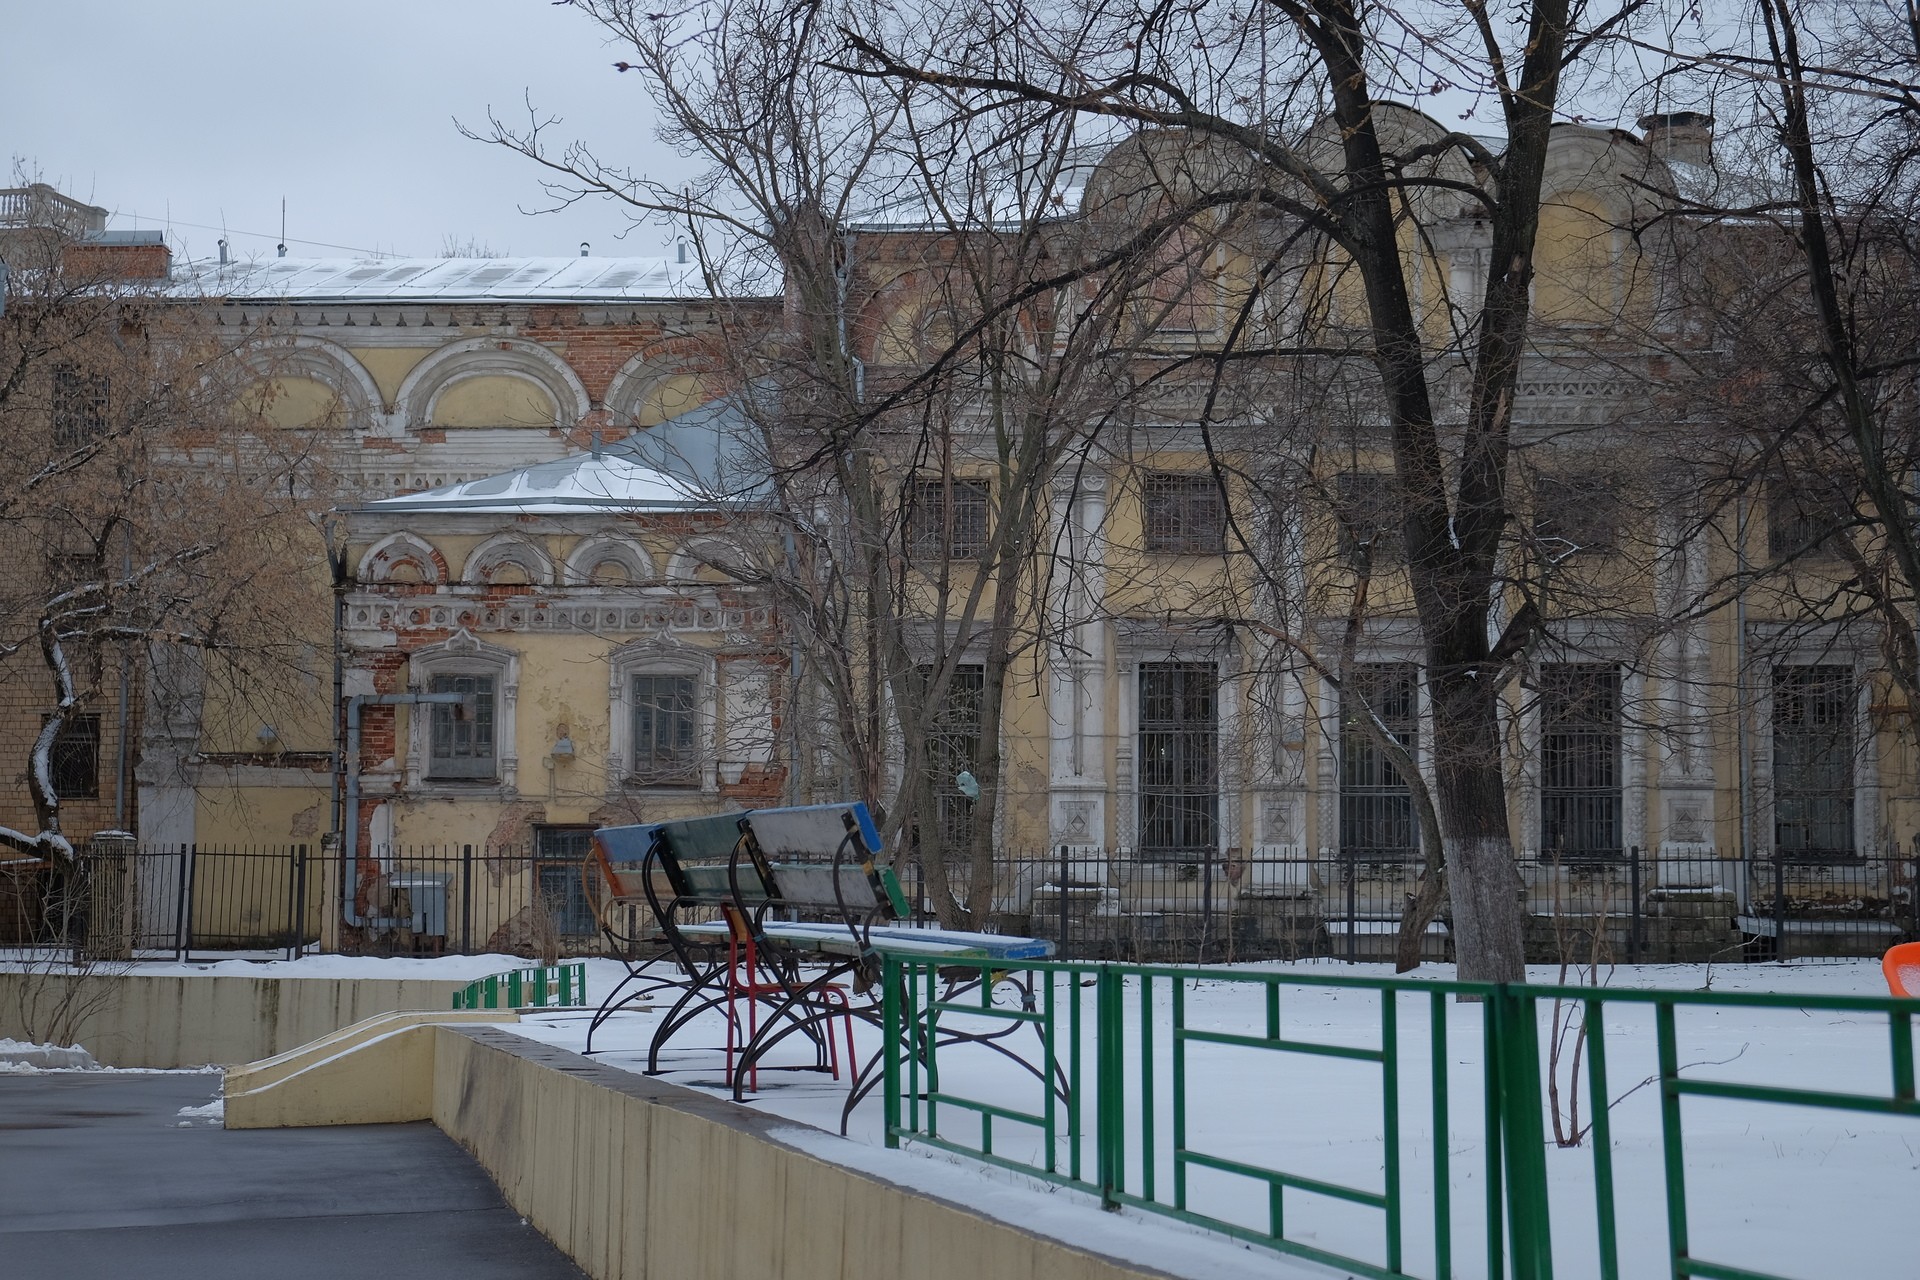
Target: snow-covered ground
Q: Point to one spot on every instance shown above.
(1787, 1191)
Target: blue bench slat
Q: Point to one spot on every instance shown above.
(838, 940)
(706, 839)
(813, 830)
(994, 946)
(627, 846)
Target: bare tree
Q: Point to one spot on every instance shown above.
(1363, 180)
(150, 519)
(930, 379)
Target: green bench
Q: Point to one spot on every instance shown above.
(798, 915)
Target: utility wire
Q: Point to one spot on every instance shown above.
(263, 235)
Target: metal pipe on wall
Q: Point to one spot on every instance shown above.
(350, 829)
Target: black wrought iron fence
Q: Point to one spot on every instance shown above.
(183, 900)
(1624, 906)
(1630, 906)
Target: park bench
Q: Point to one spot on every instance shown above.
(659, 878)
(801, 916)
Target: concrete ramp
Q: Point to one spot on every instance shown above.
(376, 1071)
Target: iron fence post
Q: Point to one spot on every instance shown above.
(1353, 907)
(893, 1043)
(1633, 894)
(1779, 907)
(1523, 1133)
(1063, 902)
(187, 859)
(466, 899)
(1913, 889)
(1110, 1115)
(1206, 903)
(297, 926)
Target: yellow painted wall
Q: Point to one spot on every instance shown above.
(669, 397)
(389, 366)
(298, 403)
(494, 400)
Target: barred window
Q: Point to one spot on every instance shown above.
(1800, 524)
(1367, 506)
(1813, 746)
(75, 759)
(1580, 799)
(1179, 760)
(1184, 515)
(558, 853)
(79, 407)
(463, 736)
(666, 730)
(1580, 511)
(947, 519)
(953, 747)
(1376, 805)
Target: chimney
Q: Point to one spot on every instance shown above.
(1684, 137)
(120, 255)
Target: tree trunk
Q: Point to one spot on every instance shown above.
(1470, 787)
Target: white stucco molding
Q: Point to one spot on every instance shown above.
(463, 652)
(394, 550)
(508, 548)
(661, 655)
(491, 357)
(637, 379)
(598, 549)
(328, 363)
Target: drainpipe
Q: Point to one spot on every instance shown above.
(350, 829)
(1740, 705)
(793, 684)
(336, 545)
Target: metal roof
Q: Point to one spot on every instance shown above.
(443, 280)
(701, 460)
(579, 482)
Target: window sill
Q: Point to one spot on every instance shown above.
(688, 787)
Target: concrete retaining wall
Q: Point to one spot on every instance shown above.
(190, 1020)
(638, 1179)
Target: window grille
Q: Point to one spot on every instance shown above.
(1376, 806)
(1184, 515)
(79, 407)
(1368, 510)
(1813, 746)
(1799, 524)
(1179, 761)
(953, 747)
(941, 530)
(665, 730)
(463, 736)
(1580, 799)
(75, 759)
(1579, 511)
(558, 855)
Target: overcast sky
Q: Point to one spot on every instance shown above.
(195, 115)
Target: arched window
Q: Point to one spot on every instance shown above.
(509, 560)
(401, 558)
(470, 744)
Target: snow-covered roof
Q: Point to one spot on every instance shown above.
(701, 460)
(442, 280)
(579, 482)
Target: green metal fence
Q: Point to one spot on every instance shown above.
(1122, 1057)
(558, 986)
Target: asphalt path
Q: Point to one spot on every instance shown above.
(102, 1177)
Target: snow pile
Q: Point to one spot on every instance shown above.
(21, 1056)
(216, 1111)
